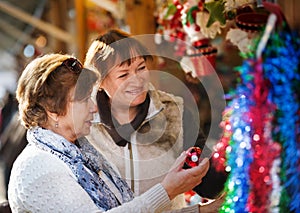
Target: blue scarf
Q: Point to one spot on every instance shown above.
(85, 162)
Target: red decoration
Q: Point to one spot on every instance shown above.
(265, 150)
(219, 156)
(193, 157)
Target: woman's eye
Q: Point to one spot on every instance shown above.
(122, 76)
(87, 99)
(142, 68)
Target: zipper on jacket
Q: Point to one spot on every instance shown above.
(131, 166)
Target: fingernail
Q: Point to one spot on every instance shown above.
(204, 160)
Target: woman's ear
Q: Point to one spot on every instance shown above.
(101, 88)
(52, 115)
(101, 85)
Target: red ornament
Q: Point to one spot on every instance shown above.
(193, 157)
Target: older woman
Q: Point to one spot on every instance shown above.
(140, 129)
(59, 171)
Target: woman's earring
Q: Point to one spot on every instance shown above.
(56, 124)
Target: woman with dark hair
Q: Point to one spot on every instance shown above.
(140, 129)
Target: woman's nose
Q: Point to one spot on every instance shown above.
(93, 106)
(137, 77)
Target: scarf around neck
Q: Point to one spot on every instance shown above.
(120, 133)
(85, 162)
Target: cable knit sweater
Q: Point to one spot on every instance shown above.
(40, 182)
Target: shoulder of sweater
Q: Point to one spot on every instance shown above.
(38, 162)
(41, 182)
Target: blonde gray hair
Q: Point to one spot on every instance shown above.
(44, 85)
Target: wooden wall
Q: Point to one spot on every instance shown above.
(291, 10)
(140, 16)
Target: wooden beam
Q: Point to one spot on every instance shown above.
(56, 16)
(41, 25)
(18, 35)
(81, 29)
(15, 32)
(109, 6)
(140, 16)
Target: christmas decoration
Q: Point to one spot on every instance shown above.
(193, 157)
(191, 24)
(179, 21)
(260, 143)
(260, 146)
(240, 39)
(216, 11)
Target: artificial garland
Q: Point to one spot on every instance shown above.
(260, 146)
(282, 69)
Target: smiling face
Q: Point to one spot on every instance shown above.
(77, 121)
(127, 85)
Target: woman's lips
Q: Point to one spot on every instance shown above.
(89, 122)
(135, 91)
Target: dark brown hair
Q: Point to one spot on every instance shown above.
(114, 48)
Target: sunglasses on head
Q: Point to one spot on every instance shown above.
(73, 65)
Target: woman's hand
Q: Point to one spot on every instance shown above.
(213, 206)
(179, 180)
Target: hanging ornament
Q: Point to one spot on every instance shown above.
(169, 22)
(240, 39)
(199, 64)
(230, 5)
(239, 154)
(200, 55)
(281, 67)
(215, 28)
(261, 114)
(251, 22)
(188, 16)
(216, 11)
(269, 119)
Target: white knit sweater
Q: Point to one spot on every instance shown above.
(40, 182)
